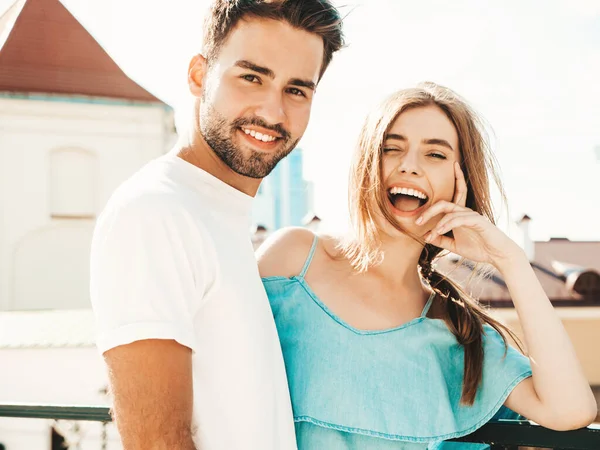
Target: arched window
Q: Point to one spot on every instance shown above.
(72, 184)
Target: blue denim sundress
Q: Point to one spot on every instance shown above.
(394, 389)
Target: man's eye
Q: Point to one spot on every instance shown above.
(295, 91)
(251, 78)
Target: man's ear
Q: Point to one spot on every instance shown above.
(196, 74)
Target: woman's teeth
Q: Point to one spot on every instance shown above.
(259, 136)
(408, 191)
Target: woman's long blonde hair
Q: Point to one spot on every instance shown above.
(368, 199)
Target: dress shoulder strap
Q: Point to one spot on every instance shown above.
(428, 304)
(309, 258)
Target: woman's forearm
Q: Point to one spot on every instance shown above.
(558, 377)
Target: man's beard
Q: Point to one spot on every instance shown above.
(219, 134)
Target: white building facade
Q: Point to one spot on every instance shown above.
(60, 160)
(73, 127)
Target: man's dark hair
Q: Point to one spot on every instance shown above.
(314, 16)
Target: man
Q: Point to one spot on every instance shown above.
(183, 321)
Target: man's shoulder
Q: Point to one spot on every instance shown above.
(144, 219)
(142, 202)
(151, 192)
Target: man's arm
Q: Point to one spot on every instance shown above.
(151, 385)
(146, 284)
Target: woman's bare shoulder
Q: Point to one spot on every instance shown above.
(285, 251)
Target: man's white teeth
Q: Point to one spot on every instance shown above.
(259, 136)
(408, 191)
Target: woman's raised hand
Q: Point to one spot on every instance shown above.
(474, 236)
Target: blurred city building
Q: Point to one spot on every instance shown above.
(284, 197)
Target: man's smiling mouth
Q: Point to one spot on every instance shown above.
(263, 137)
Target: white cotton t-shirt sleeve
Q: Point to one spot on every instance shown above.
(145, 280)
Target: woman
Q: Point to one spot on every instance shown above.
(384, 352)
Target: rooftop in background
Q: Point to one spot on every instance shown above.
(45, 50)
(552, 262)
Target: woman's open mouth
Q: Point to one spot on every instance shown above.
(407, 200)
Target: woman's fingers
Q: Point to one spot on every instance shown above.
(441, 207)
(445, 242)
(447, 218)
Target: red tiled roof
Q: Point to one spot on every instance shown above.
(48, 51)
(577, 253)
(580, 253)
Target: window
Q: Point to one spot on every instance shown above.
(72, 184)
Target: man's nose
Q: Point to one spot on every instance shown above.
(271, 109)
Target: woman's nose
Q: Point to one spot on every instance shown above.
(409, 164)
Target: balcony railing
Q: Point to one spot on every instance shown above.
(502, 435)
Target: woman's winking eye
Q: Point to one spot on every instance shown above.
(437, 155)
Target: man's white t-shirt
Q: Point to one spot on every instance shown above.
(172, 259)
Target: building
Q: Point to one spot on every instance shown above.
(73, 126)
(284, 197)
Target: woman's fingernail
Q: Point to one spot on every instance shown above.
(419, 221)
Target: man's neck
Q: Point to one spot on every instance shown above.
(196, 151)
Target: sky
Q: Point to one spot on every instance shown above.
(530, 68)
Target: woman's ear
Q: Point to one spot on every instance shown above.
(196, 74)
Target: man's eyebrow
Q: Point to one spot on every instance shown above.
(245, 64)
(255, 68)
(441, 142)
